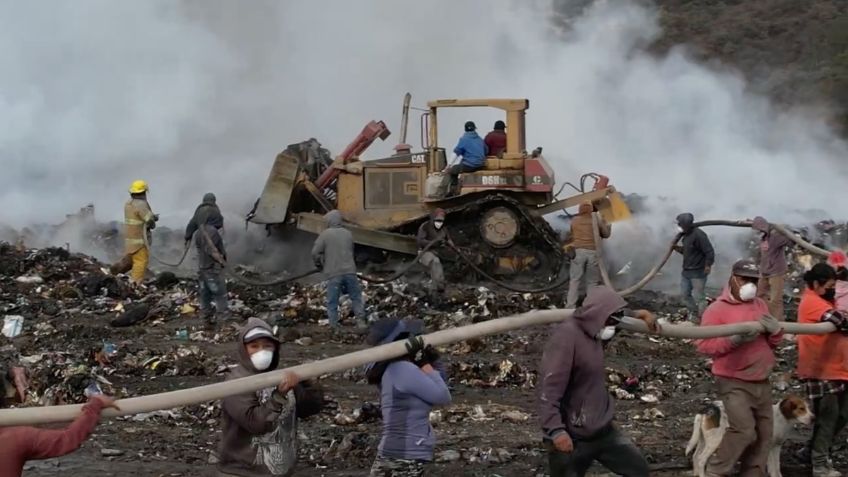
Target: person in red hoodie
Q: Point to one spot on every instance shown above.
(821, 365)
(741, 366)
(21, 444)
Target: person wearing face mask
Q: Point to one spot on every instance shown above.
(822, 367)
(259, 435)
(741, 366)
(575, 407)
(433, 232)
(773, 266)
(698, 258)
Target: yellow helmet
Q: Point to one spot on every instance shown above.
(138, 187)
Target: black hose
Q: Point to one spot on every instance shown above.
(503, 284)
(403, 271)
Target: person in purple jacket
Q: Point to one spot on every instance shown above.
(773, 266)
(575, 408)
(409, 388)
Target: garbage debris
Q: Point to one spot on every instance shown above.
(12, 325)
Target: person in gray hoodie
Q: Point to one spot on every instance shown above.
(773, 266)
(575, 407)
(333, 254)
(259, 435)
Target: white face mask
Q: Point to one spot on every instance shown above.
(438, 224)
(262, 359)
(748, 292)
(606, 333)
(680, 229)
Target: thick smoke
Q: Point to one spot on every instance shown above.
(196, 96)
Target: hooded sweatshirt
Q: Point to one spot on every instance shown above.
(573, 395)
(752, 361)
(259, 435)
(698, 252)
(582, 235)
(427, 233)
(334, 248)
(496, 142)
(472, 149)
(206, 213)
(772, 249)
(21, 444)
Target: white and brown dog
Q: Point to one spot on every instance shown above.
(710, 426)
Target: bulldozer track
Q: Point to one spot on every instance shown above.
(541, 229)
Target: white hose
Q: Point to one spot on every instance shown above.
(212, 392)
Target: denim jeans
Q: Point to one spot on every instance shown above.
(692, 285)
(212, 287)
(348, 284)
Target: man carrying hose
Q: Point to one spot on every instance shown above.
(139, 220)
(583, 270)
(698, 258)
(211, 261)
(772, 266)
(575, 407)
(333, 254)
(433, 234)
(741, 366)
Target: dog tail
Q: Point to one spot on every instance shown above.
(696, 434)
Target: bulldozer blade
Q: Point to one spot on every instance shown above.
(273, 204)
(613, 208)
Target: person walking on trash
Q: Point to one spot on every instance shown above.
(575, 407)
(773, 266)
(741, 366)
(139, 220)
(259, 435)
(205, 227)
(333, 254)
(583, 269)
(433, 234)
(698, 258)
(410, 386)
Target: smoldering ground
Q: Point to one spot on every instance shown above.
(197, 96)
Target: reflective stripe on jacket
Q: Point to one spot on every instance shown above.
(137, 214)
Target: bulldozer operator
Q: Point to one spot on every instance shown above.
(473, 150)
(433, 232)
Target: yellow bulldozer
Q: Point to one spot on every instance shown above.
(495, 214)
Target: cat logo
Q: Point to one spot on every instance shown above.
(536, 180)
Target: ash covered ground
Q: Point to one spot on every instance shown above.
(68, 341)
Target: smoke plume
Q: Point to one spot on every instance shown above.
(200, 96)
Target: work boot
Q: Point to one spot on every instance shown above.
(362, 324)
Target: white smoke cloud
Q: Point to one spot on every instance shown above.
(198, 96)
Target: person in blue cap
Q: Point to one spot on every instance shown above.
(410, 386)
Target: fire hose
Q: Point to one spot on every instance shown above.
(221, 390)
(783, 230)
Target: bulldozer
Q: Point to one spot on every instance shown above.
(495, 215)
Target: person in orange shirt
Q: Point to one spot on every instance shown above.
(821, 365)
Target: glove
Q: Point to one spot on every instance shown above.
(838, 319)
(156, 217)
(429, 356)
(771, 324)
(747, 337)
(415, 349)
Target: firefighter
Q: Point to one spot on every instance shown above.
(139, 220)
(433, 232)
